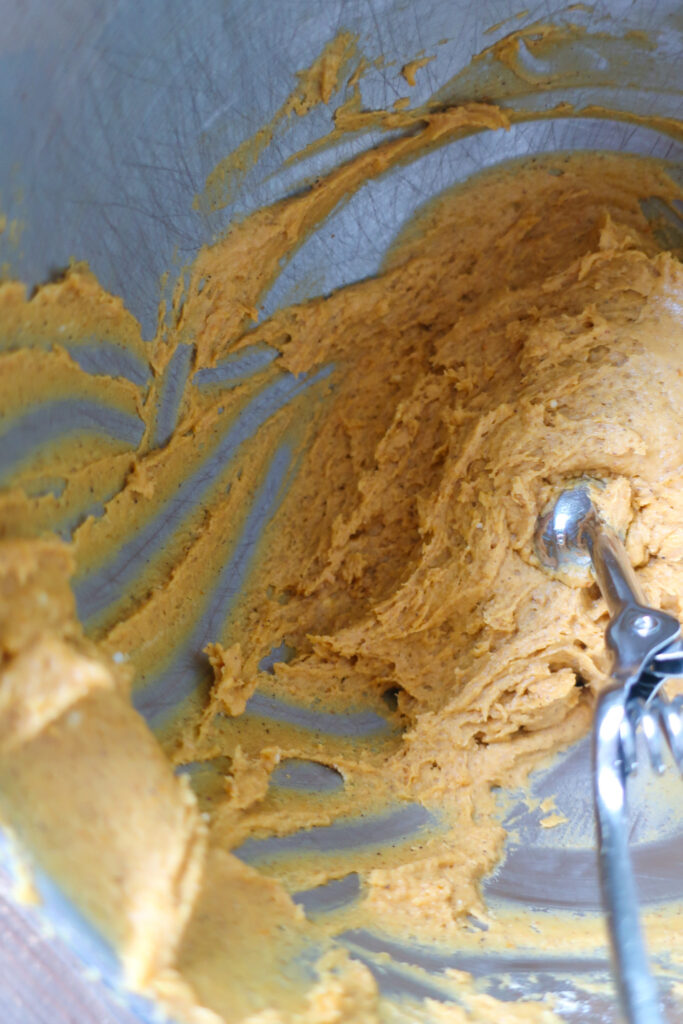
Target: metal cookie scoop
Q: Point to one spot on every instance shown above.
(646, 649)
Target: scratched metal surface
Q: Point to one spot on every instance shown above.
(42, 980)
(111, 116)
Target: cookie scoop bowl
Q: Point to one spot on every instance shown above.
(118, 147)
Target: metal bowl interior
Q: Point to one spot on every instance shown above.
(112, 117)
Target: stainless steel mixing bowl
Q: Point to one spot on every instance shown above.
(112, 114)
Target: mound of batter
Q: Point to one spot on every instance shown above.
(524, 332)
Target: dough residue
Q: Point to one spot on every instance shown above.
(405, 433)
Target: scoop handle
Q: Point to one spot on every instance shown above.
(635, 984)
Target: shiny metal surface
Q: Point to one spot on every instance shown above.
(112, 114)
(637, 990)
(572, 532)
(635, 635)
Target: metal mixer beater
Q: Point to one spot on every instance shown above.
(646, 649)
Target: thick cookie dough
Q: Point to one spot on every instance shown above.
(524, 332)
